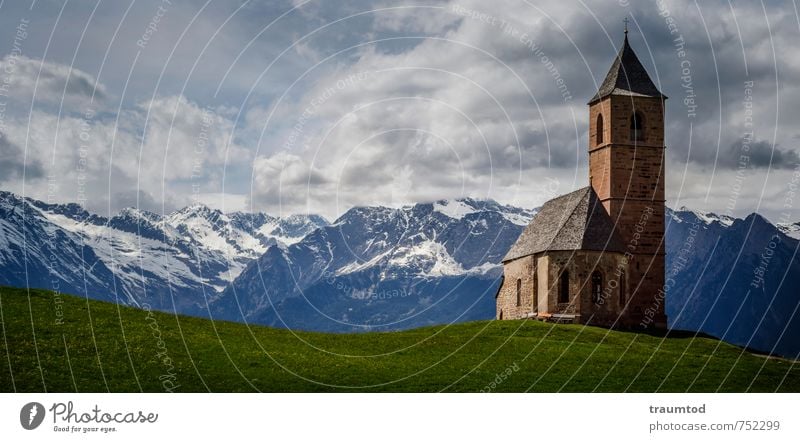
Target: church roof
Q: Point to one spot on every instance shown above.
(575, 221)
(627, 77)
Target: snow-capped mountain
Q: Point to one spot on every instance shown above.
(239, 237)
(177, 261)
(792, 230)
(381, 268)
(736, 279)
(706, 217)
(34, 252)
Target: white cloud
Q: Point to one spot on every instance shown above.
(477, 111)
(454, 103)
(445, 118)
(186, 141)
(91, 159)
(50, 83)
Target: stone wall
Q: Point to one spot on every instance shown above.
(548, 267)
(521, 269)
(580, 265)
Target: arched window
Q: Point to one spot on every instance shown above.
(637, 127)
(563, 292)
(622, 290)
(535, 290)
(501, 315)
(519, 292)
(597, 287)
(599, 134)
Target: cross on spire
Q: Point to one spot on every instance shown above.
(626, 25)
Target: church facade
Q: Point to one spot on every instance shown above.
(596, 255)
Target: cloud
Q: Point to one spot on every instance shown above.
(758, 155)
(50, 83)
(453, 99)
(475, 108)
(287, 180)
(186, 141)
(443, 118)
(161, 153)
(13, 166)
(731, 192)
(136, 198)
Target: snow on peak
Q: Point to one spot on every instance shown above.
(132, 212)
(195, 210)
(709, 217)
(792, 230)
(459, 208)
(521, 218)
(429, 257)
(291, 229)
(456, 209)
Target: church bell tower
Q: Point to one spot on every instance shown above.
(626, 170)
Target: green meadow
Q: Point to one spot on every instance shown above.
(62, 343)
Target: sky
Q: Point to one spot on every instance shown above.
(315, 107)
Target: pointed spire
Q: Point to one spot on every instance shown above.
(627, 76)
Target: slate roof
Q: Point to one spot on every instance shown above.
(575, 221)
(628, 77)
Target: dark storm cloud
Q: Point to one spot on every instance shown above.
(700, 64)
(757, 155)
(531, 127)
(557, 149)
(12, 163)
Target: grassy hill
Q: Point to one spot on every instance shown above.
(64, 343)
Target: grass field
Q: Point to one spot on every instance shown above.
(60, 343)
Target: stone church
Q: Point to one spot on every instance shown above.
(596, 255)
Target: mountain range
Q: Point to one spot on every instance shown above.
(379, 268)
(172, 262)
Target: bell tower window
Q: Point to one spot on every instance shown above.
(599, 134)
(637, 127)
